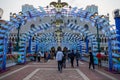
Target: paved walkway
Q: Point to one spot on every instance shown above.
(48, 71)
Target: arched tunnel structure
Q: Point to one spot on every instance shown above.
(41, 29)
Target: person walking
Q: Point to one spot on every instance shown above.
(59, 57)
(35, 56)
(68, 56)
(91, 62)
(39, 55)
(77, 55)
(64, 57)
(106, 57)
(72, 55)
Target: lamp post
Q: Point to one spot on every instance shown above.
(19, 22)
(98, 38)
(58, 36)
(87, 44)
(96, 25)
(18, 37)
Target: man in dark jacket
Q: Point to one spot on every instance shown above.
(72, 55)
(91, 60)
(77, 55)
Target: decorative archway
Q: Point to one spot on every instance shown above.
(69, 32)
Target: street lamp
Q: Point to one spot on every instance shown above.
(97, 21)
(18, 37)
(96, 24)
(58, 36)
(18, 28)
(98, 37)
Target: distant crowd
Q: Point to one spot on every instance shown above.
(62, 56)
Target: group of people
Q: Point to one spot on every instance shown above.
(99, 57)
(40, 55)
(61, 57)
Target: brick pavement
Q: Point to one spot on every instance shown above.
(48, 71)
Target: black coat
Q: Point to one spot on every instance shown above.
(91, 57)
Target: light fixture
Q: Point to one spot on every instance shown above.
(11, 14)
(18, 19)
(95, 14)
(102, 16)
(14, 15)
(91, 17)
(58, 32)
(20, 13)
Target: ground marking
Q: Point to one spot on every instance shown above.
(30, 75)
(13, 72)
(82, 74)
(34, 72)
(112, 78)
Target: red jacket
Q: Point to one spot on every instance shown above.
(99, 56)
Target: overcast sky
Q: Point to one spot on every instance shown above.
(104, 6)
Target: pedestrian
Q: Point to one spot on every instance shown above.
(59, 57)
(91, 62)
(42, 56)
(99, 56)
(39, 55)
(106, 56)
(77, 55)
(49, 56)
(68, 56)
(72, 55)
(64, 57)
(46, 56)
(35, 56)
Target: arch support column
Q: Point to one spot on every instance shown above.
(25, 53)
(80, 48)
(110, 54)
(4, 53)
(36, 47)
(87, 44)
(30, 44)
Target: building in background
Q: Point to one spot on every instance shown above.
(92, 8)
(27, 7)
